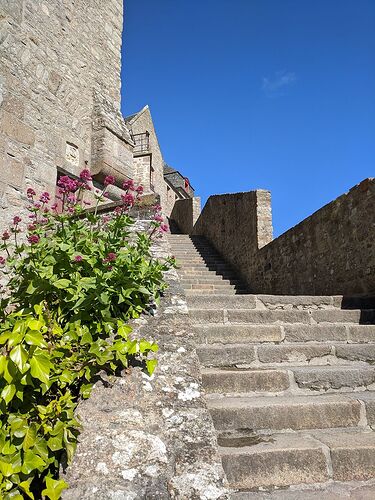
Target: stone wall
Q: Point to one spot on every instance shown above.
(185, 213)
(151, 437)
(59, 94)
(237, 225)
(330, 252)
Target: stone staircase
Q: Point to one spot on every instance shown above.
(290, 380)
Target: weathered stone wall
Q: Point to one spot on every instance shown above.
(59, 93)
(185, 213)
(330, 252)
(151, 437)
(237, 225)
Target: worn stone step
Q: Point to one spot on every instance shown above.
(205, 273)
(312, 353)
(324, 378)
(300, 301)
(210, 280)
(210, 302)
(217, 291)
(244, 316)
(219, 285)
(300, 458)
(314, 316)
(280, 460)
(277, 379)
(234, 334)
(265, 414)
(245, 381)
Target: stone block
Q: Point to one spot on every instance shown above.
(237, 302)
(264, 316)
(285, 412)
(361, 333)
(235, 334)
(204, 316)
(284, 460)
(315, 333)
(15, 129)
(286, 353)
(354, 352)
(11, 171)
(334, 377)
(352, 454)
(242, 381)
(228, 355)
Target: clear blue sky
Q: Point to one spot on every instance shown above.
(247, 94)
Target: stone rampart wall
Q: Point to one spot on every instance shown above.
(330, 252)
(185, 213)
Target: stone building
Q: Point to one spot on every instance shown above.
(60, 100)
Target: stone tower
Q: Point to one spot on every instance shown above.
(60, 94)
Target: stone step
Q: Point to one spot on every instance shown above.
(210, 280)
(282, 316)
(300, 379)
(217, 291)
(220, 285)
(221, 333)
(257, 354)
(210, 302)
(205, 274)
(300, 458)
(300, 301)
(263, 414)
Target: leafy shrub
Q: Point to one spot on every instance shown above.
(75, 278)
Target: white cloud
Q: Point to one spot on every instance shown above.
(276, 85)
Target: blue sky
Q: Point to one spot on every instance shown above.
(248, 94)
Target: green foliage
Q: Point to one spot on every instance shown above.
(73, 286)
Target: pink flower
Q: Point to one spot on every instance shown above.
(30, 193)
(106, 195)
(128, 185)
(45, 197)
(111, 257)
(5, 236)
(139, 190)
(85, 175)
(67, 185)
(2, 261)
(37, 205)
(158, 218)
(88, 203)
(164, 228)
(78, 258)
(128, 199)
(118, 210)
(54, 206)
(71, 198)
(16, 220)
(106, 218)
(109, 180)
(33, 239)
(31, 227)
(157, 208)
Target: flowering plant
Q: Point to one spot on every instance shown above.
(75, 278)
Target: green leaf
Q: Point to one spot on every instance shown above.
(40, 366)
(30, 437)
(8, 392)
(63, 283)
(32, 462)
(6, 469)
(54, 488)
(34, 324)
(30, 289)
(19, 356)
(54, 443)
(25, 486)
(35, 338)
(86, 390)
(151, 365)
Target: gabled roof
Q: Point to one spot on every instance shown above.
(131, 118)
